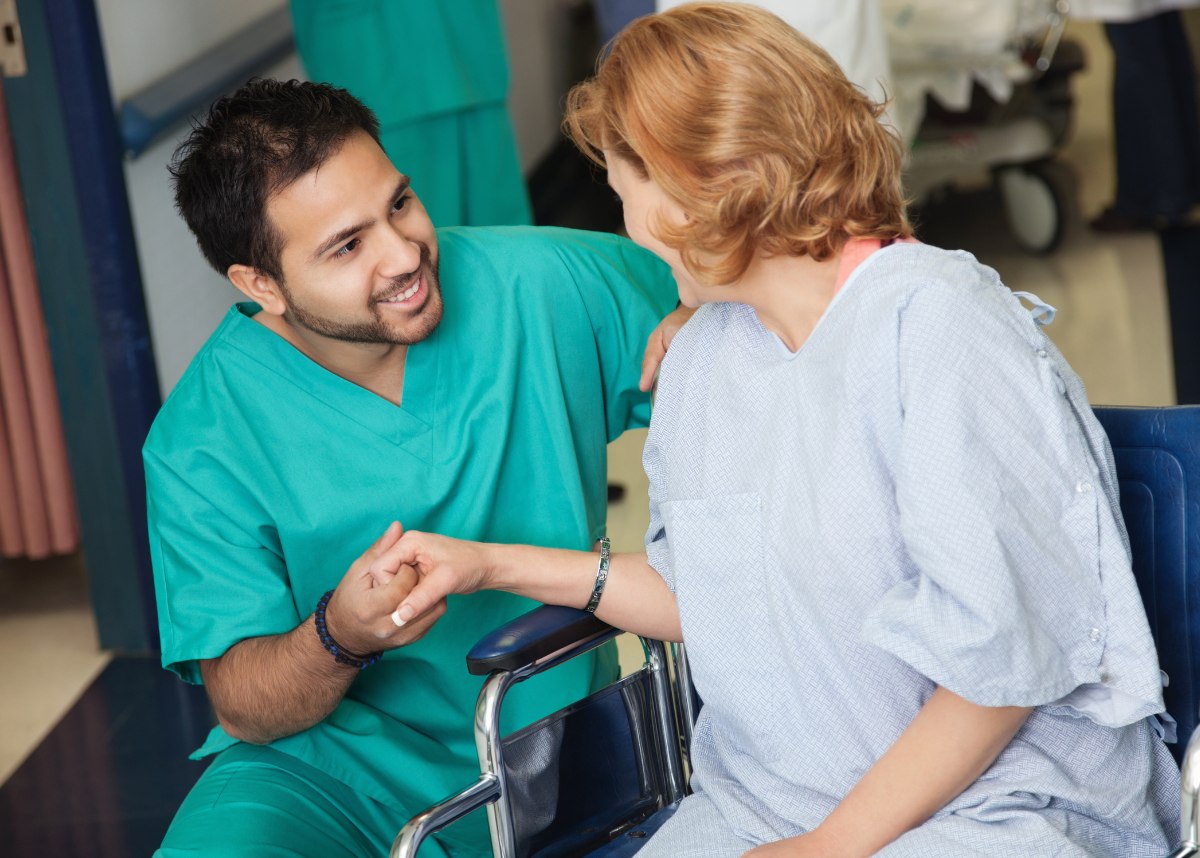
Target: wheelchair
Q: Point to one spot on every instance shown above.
(600, 776)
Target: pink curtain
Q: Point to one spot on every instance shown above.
(37, 499)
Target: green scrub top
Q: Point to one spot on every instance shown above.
(268, 475)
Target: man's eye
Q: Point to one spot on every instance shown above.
(346, 248)
(400, 202)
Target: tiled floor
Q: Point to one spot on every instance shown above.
(109, 777)
(1112, 326)
(48, 635)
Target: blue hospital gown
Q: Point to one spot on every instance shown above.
(919, 495)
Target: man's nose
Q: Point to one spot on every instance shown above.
(402, 255)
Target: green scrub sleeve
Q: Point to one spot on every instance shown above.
(627, 291)
(215, 583)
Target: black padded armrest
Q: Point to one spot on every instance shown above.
(532, 636)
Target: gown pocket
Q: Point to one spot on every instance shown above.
(717, 554)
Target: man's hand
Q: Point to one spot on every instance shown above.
(660, 341)
(445, 566)
(359, 615)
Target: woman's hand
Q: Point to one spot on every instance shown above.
(445, 566)
(660, 341)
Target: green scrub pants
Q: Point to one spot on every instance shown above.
(463, 166)
(256, 802)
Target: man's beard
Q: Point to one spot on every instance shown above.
(376, 330)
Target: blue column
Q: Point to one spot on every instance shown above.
(69, 159)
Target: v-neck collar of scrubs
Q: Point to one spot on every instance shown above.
(408, 425)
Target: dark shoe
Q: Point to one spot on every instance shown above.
(1111, 220)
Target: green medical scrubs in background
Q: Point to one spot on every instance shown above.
(268, 475)
(436, 75)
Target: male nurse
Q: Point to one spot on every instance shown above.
(463, 381)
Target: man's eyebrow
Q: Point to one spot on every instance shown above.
(344, 234)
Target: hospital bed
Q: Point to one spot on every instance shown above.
(982, 87)
(600, 776)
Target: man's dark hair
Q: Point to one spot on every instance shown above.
(253, 144)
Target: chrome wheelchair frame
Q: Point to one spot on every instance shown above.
(538, 641)
(1189, 788)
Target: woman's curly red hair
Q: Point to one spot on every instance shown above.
(751, 128)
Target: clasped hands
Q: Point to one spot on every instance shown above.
(396, 590)
(437, 566)
(360, 612)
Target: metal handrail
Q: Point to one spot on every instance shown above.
(149, 113)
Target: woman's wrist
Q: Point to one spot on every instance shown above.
(496, 566)
(551, 575)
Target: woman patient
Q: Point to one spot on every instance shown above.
(883, 516)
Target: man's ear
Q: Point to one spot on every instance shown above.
(258, 287)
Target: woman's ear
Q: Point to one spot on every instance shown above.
(258, 287)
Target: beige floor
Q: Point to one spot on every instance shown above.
(1112, 326)
(48, 637)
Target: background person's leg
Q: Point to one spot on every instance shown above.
(464, 166)
(1181, 68)
(1155, 120)
(256, 801)
(427, 151)
(494, 190)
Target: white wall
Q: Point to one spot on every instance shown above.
(147, 39)
(538, 45)
(144, 40)
(185, 298)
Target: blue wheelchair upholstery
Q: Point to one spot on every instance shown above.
(1157, 452)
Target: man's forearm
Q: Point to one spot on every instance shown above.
(268, 687)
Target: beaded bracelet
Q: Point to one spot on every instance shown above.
(601, 575)
(340, 655)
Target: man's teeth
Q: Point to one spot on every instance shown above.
(405, 295)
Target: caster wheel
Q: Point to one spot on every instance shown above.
(1035, 205)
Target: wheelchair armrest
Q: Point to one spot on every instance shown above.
(532, 636)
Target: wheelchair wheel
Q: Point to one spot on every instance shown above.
(1034, 204)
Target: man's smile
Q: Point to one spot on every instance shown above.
(406, 294)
